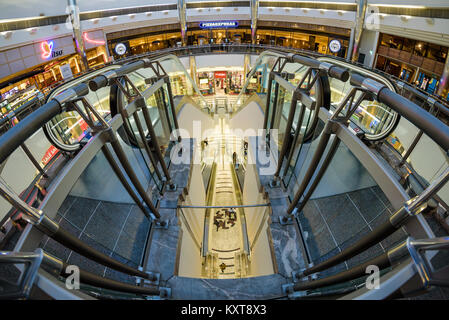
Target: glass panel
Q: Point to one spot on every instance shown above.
(137, 155)
(19, 173)
(271, 104)
(166, 148)
(99, 211)
(346, 205)
(297, 145)
(283, 105)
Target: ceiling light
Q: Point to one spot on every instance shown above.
(7, 34)
(405, 18)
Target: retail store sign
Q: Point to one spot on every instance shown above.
(51, 152)
(48, 50)
(218, 24)
(220, 75)
(120, 49)
(335, 46)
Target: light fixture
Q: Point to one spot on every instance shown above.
(131, 15)
(430, 21)
(86, 38)
(149, 14)
(113, 18)
(305, 10)
(95, 21)
(405, 18)
(32, 30)
(7, 34)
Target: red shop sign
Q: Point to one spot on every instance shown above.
(49, 155)
(220, 74)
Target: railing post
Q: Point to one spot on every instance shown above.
(33, 160)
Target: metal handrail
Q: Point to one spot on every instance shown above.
(15, 137)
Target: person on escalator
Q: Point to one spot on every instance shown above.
(216, 223)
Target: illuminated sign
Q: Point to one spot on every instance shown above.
(219, 24)
(335, 46)
(47, 48)
(220, 74)
(99, 42)
(120, 49)
(51, 152)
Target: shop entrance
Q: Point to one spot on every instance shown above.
(221, 87)
(221, 81)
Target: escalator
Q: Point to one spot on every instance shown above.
(226, 251)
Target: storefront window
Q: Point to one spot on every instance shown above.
(437, 53)
(408, 45)
(420, 49)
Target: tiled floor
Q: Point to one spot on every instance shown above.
(118, 230)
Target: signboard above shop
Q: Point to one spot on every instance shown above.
(220, 75)
(18, 59)
(218, 24)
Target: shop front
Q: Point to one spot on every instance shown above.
(127, 43)
(221, 80)
(36, 68)
(416, 62)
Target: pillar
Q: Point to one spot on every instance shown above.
(358, 28)
(443, 87)
(254, 16)
(74, 16)
(193, 72)
(183, 20)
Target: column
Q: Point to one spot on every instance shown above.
(193, 72)
(351, 45)
(74, 15)
(246, 66)
(444, 82)
(358, 27)
(183, 20)
(254, 16)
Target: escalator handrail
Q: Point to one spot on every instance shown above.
(17, 135)
(422, 119)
